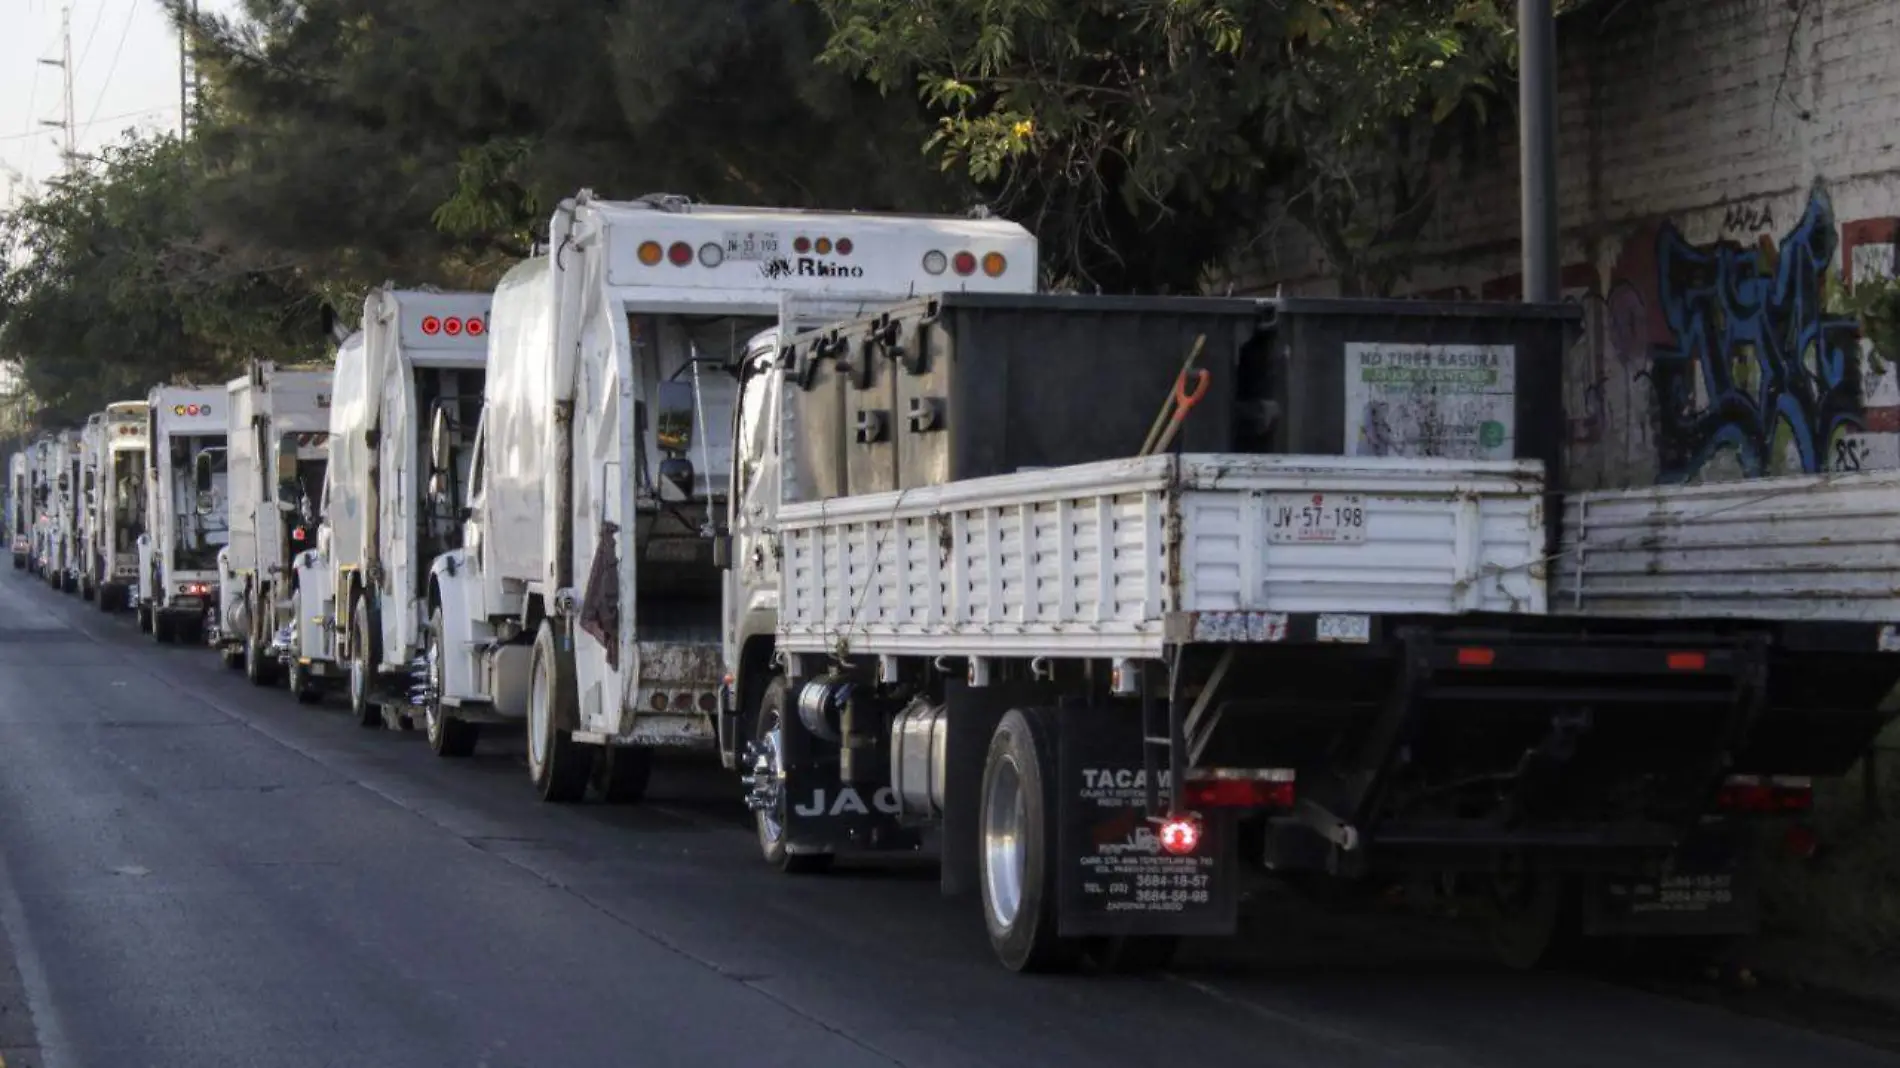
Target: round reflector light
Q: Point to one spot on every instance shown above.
(651, 253)
(711, 255)
(680, 253)
(935, 262)
(823, 245)
(994, 264)
(476, 328)
(801, 245)
(964, 263)
(178, 409)
(431, 325)
(658, 701)
(452, 326)
(844, 246)
(1180, 836)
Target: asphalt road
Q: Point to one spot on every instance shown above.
(197, 873)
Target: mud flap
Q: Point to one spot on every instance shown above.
(600, 601)
(1707, 887)
(1114, 878)
(822, 814)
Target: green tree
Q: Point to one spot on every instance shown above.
(113, 285)
(1144, 139)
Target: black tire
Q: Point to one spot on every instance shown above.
(107, 597)
(621, 773)
(144, 613)
(770, 826)
(233, 657)
(1133, 955)
(87, 591)
(363, 659)
(448, 736)
(1537, 922)
(1021, 764)
(164, 628)
(560, 772)
(19, 564)
(307, 690)
(260, 671)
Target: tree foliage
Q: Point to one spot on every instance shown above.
(1180, 117)
(114, 286)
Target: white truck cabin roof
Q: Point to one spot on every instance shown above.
(432, 329)
(125, 424)
(695, 258)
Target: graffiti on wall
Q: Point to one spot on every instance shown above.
(1756, 367)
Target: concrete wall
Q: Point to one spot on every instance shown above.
(1722, 164)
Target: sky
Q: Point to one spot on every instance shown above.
(125, 75)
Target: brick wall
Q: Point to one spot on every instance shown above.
(1722, 163)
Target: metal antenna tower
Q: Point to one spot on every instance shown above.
(190, 81)
(69, 127)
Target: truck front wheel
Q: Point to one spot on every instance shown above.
(448, 736)
(1016, 858)
(558, 765)
(621, 773)
(769, 803)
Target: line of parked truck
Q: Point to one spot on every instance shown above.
(1115, 605)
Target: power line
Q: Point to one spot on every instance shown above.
(85, 50)
(95, 121)
(118, 50)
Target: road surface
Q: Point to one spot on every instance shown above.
(197, 873)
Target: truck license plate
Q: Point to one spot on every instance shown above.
(751, 245)
(1322, 518)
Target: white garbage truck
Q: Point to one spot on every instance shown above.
(278, 429)
(19, 509)
(418, 361)
(63, 516)
(185, 511)
(114, 500)
(43, 476)
(586, 597)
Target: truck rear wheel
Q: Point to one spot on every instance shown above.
(363, 667)
(257, 667)
(144, 613)
(448, 736)
(1016, 858)
(770, 805)
(164, 628)
(108, 597)
(621, 773)
(86, 589)
(1536, 920)
(558, 765)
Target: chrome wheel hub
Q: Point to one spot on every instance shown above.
(1005, 844)
(765, 785)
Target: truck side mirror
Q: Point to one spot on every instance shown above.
(674, 428)
(440, 442)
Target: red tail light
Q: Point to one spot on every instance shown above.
(680, 253)
(1765, 796)
(801, 245)
(452, 326)
(1180, 836)
(1688, 661)
(1475, 656)
(844, 246)
(1268, 788)
(476, 328)
(963, 263)
(431, 325)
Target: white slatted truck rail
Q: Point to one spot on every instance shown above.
(1124, 558)
(1811, 559)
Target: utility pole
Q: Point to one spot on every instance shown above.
(69, 149)
(1537, 145)
(190, 82)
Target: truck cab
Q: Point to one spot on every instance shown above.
(185, 502)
